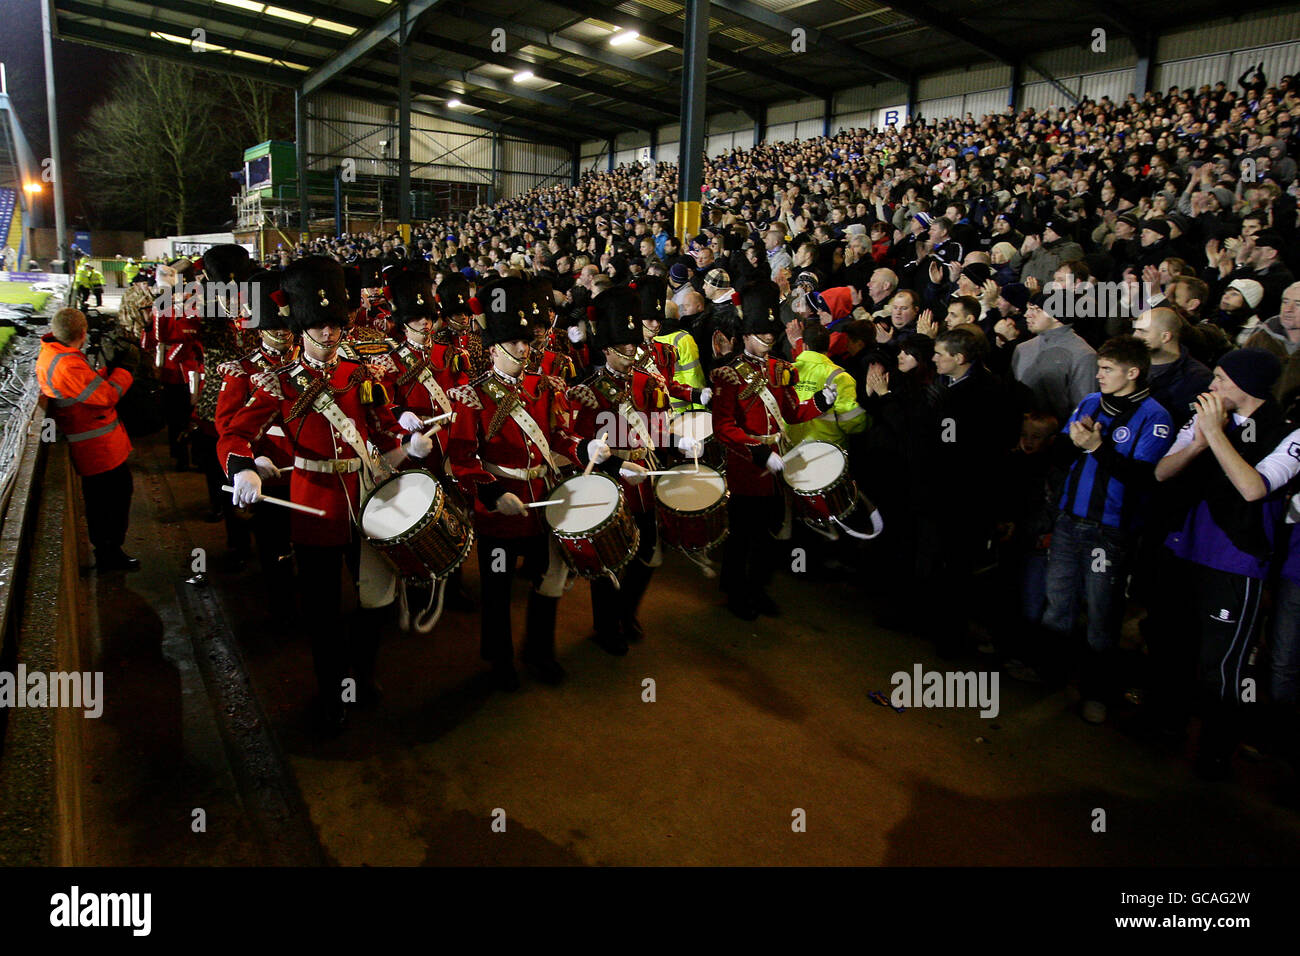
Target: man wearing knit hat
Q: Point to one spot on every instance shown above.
(1224, 545)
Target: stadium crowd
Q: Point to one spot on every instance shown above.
(1067, 354)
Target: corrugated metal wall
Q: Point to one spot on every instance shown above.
(950, 83)
(1250, 30)
(866, 98)
(792, 112)
(668, 152)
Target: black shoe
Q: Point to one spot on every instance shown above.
(741, 609)
(611, 643)
(505, 677)
(547, 671)
(121, 561)
(633, 631)
(765, 605)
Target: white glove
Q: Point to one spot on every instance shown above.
(597, 451)
(706, 395)
(248, 487)
(634, 473)
(690, 447)
(830, 392)
(774, 464)
(577, 333)
(419, 446)
(266, 468)
(509, 504)
(411, 422)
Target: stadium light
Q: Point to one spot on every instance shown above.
(31, 188)
(523, 75)
(625, 37)
(453, 103)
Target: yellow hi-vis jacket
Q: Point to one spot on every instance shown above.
(846, 417)
(687, 368)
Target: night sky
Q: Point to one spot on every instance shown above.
(79, 72)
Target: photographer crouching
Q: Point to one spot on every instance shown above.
(83, 402)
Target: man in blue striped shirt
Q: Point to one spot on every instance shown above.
(1120, 433)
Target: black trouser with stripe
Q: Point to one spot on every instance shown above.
(496, 571)
(614, 609)
(750, 553)
(1206, 623)
(339, 645)
(1228, 621)
(108, 507)
(176, 406)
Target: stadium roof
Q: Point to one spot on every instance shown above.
(571, 69)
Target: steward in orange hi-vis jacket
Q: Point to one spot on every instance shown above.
(84, 404)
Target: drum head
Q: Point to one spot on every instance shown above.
(814, 465)
(684, 490)
(588, 501)
(398, 504)
(697, 425)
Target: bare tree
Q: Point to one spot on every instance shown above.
(152, 143)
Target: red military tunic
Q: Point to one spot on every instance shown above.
(284, 397)
(547, 361)
(664, 359)
(237, 390)
(178, 334)
(742, 422)
(484, 437)
(598, 406)
(418, 379)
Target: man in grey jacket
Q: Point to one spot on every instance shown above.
(1057, 366)
(1044, 250)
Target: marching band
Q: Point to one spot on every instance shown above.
(380, 428)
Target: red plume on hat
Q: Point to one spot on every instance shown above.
(735, 297)
(475, 305)
(591, 313)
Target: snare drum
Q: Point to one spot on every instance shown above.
(692, 508)
(818, 474)
(699, 425)
(593, 527)
(410, 519)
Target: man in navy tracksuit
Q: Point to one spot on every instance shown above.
(1120, 433)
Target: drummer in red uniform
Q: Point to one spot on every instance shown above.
(753, 400)
(173, 337)
(419, 372)
(453, 294)
(272, 450)
(628, 404)
(662, 356)
(509, 427)
(332, 411)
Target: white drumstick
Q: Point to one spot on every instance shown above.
(545, 504)
(436, 422)
(318, 512)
